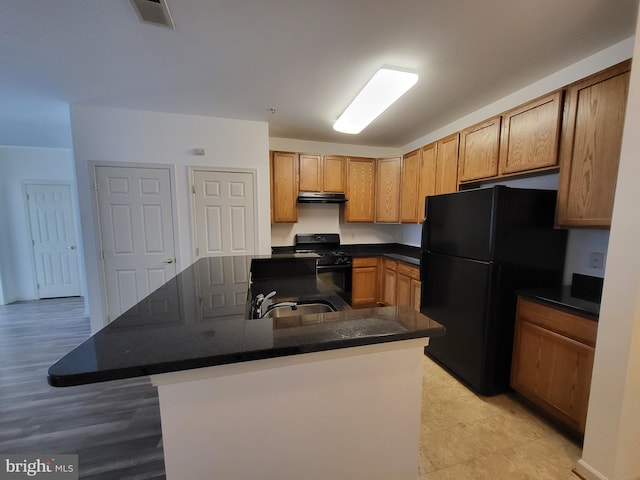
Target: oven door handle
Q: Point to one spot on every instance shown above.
(333, 268)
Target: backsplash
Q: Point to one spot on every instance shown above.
(325, 218)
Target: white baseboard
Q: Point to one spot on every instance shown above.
(587, 472)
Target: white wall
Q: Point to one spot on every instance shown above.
(325, 219)
(17, 165)
(612, 437)
(324, 148)
(599, 61)
(118, 135)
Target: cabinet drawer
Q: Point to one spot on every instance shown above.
(573, 326)
(409, 271)
(365, 262)
(390, 264)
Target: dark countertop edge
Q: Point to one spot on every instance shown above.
(61, 380)
(559, 297)
(398, 251)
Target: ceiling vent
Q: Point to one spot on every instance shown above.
(153, 11)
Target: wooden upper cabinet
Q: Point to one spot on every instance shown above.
(427, 176)
(334, 173)
(322, 173)
(388, 190)
(410, 187)
(284, 187)
(310, 173)
(530, 135)
(361, 181)
(447, 164)
(479, 151)
(590, 147)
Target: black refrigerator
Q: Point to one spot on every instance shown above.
(478, 248)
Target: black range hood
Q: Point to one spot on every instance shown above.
(317, 197)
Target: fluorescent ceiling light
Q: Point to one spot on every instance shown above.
(384, 88)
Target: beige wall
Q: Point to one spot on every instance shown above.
(612, 439)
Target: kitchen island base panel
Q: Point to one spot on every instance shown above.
(350, 413)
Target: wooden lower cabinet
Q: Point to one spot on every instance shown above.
(552, 361)
(416, 292)
(389, 282)
(383, 280)
(408, 286)
(401, 284)
(364, 281)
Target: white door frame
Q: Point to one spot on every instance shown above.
(78, 243)
(192, 203)
(95, 216)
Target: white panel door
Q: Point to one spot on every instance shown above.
(224, 213)
(53, 235)
(222, 284)
(136, 231)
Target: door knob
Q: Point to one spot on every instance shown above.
(71, 247)
(168, 260)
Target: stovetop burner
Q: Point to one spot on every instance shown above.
(324, 244)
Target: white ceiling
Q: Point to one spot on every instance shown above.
(239, 58)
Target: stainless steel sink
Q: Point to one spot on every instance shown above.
(305, 307)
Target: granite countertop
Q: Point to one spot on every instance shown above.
(404, 253)
(563, 298)
(200, 319)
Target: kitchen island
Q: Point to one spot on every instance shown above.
(329, 395)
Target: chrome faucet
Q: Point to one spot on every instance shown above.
(293, 305)
(256, 304)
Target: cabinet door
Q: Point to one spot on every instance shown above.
(427, 176)
(530, 135)
(479, 149)
(334, 173)
(284, 187)
(553, 371)
(416, 292)
(364, 290)
(310, 173)
(590, 148)
(447, 164)
(409, 188)
(361, 177)
(388, 190)
(403, 290)
(389, 282)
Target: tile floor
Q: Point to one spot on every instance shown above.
(470, 437)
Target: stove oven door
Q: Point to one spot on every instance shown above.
(338, 277)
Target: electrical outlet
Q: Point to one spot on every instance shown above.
(596, 260)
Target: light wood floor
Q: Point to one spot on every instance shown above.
(114, 427)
